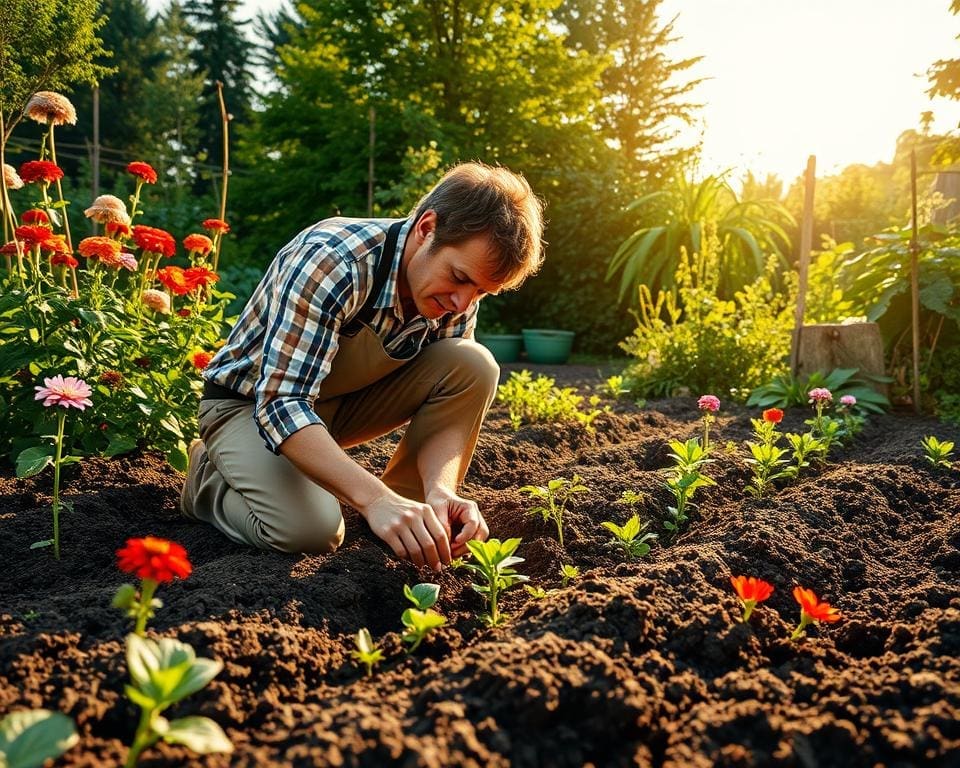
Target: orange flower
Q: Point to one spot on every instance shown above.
(50, 107)
(198, 276)
(198, 244)
(32, 235)
(143, 171)
(200, 359)
(811, 610)
(102, 248)
(114, 228)
(751, 591)
(35, 216)
(216, 225)
(174, 279)
(154, 558)
(154, 240)
(56, 244)
(43, 171)
(65, 259)
(773, 415)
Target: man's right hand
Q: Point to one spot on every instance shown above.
(411, 529)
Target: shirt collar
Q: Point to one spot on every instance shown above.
(390, 295)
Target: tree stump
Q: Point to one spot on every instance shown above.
(827, 346)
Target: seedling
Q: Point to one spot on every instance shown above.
(751, 591)
(538, 593)
(532, 400)
(812, 610)
(367, 652)
(937, 452)
(767, 459)
(628, 537)
(30, 737)
(421, 619)
(556, 494)
(683, 479)
(568, 573)
(494, 562)
(803, 446)
(162, 673)
(616, 387)
(825, 429)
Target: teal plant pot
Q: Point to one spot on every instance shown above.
(505, 347)
(547, 346)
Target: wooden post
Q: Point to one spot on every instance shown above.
(915, 282)
(96, 150)
(806, 240)
(373, 140)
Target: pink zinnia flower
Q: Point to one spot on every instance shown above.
(709, 403)
(65, 392)
(820, 394)
(11, 178)
(128, 261)
(848, 400)
(158, 301)
(51, 107)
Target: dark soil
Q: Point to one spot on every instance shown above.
(640, 663)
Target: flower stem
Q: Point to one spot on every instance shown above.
(147, 588)
(58, 455)
(142, 739)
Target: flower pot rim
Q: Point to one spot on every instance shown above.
(511, 336)
(549, 331)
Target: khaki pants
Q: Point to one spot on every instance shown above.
(256, 497)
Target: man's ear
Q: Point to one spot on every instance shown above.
(427, 224)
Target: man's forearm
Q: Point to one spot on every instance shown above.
(315, 453)
(438, 460)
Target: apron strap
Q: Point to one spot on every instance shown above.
(380, 275)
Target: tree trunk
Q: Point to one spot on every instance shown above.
(827, 346)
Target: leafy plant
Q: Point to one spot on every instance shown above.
(556, 493)
(803, 447)
(366, 651)
(684, 478)
(536, 592)
(628, 536)
(937, 452)
(156, 561)
(531, 401)
(30, 737)
(421, 619)
(616, 386)
(568, 573)
(787, 390)
(494, 563)
(766, 457)
(162, 673)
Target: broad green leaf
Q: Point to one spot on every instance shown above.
(197, 675)
(34, 460)
(422, 595)
(200, 734)
(29, 738)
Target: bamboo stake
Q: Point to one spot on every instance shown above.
(225, 119)
(915, 282)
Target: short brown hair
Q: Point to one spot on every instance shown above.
(472, 199)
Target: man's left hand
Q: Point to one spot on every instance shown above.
(460, 516)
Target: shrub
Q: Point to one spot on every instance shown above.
(538, 400)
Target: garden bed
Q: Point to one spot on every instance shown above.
(641, 663)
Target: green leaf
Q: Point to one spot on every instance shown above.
(119, 444)
(29, 738)
(422, 595)
(42, 544)
(140, 699)
(201, 734)
(34, 460)
(200, 672)
(177, 457)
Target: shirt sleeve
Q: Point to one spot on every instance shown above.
(316, 289)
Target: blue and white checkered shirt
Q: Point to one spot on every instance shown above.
(285, 339)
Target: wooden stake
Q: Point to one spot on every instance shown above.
(915, 281)
(806, 240)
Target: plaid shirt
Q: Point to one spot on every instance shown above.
(287, 336)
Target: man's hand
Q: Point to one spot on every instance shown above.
(414, 531)
(461, 517)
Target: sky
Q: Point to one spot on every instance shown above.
(839, 79)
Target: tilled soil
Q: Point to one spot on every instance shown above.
(636, 663)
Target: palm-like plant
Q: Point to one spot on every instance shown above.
(749, 231)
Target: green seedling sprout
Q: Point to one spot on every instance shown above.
(804, 446)
(568, 573)
(537, 593)
(367, 652)
(628, 537)
(556, 493)
(421, 619)
(162, 673)
(30, 737)
(683, 479)
(937, 452)
(494, 562)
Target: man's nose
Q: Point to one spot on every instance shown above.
(465, 297)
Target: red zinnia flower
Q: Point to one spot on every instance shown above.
(102, 248)
(114, 228)
(198, 276)
(198, 244)
(32, 235)
(811, 610)
(773, 415)
(56, 244)
(200, 359)
(154, 558)
(35, 216)
(709, 403)
(40, 170)
(143, 171)
(216, 225)
(9, 249)
(65, 259)
(175, 279)
(111, 379)
(154, 240)
(751, 591)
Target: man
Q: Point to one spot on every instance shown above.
(358, 327)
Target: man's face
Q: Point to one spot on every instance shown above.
(448, 279)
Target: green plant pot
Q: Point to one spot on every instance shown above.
(547, 346)
(505, 347)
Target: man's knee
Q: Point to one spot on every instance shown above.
(319, 537)
(470, 361)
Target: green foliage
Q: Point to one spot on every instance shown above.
(803, 446)
(494, 564)
(420, 620)
(747, 232)
(532, 401)
(684, 478)
(366, 651)
(568, 573)
(826, 301)
(29, 738)
(937, 452)
(690, 337)
(555, 495)
(787, 390)
(45, 45)
(162, 673)
(628, 538)
(766, 461)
